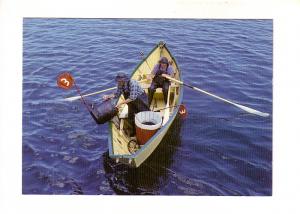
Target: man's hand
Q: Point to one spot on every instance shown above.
(118, 106)
(165, 75)
(107, 97)
(123, 102)
(149, 77)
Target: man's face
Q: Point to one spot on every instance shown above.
(163, 65)
(121, 83)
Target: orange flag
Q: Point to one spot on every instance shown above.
(65, 81)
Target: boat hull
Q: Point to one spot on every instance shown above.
(116, 138)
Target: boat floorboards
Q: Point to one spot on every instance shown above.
(120, 140)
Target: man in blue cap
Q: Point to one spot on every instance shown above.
(160, 70)
(134, 94)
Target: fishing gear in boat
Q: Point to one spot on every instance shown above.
(105, 111)
(133, 146)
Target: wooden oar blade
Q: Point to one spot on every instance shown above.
(72, 98)
(252, 111)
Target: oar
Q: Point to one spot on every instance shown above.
(245, 108)
(97, 92)
(182, 110)
(86, 95)
(167, 113)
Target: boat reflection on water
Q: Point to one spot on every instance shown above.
(152, 175)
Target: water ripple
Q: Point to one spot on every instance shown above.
(217, 150)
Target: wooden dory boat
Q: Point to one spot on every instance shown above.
(119, 139)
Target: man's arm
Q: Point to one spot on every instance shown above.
(170, 72)
(153, 72)
(116, 94)
(133, 93)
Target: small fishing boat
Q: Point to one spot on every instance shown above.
(122, 147)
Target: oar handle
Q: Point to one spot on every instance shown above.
(157, 110)
(174, 80)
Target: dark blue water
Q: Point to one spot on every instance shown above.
(217, 150)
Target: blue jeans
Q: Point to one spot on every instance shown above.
(136, 106)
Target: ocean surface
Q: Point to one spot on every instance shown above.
(217, 150)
